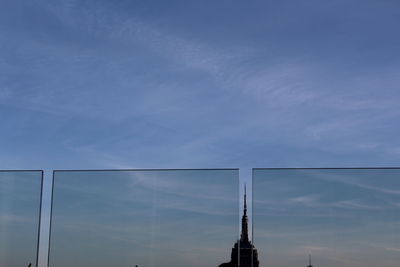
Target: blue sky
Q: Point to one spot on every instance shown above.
(110, 84)
(193, 84)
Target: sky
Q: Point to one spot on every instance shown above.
(139, 84)
(198, 84)
(19, 217)
(341, 217)
(146, 218)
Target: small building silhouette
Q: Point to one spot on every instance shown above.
(243, 254)
(309, 261)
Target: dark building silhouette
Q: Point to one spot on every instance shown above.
(243, 254)
(309, 261)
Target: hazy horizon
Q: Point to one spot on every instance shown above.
(146, 218)
(347, 218)
(20, 193)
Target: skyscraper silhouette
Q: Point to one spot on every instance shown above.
(243, 254)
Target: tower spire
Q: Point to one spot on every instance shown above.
(244, 237)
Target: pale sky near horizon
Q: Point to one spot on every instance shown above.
(150, 218)
(19, 217)
(100, 84)
(342, 217)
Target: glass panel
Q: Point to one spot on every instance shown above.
(20, 195)
(174, 218)
(341, 217)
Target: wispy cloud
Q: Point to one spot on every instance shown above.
(163, 79)
(393, 249)
(9, 218)
(306, 200)
(352, 180)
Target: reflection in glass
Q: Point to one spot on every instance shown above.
(20, 195)
(171, 218)
(327, 217)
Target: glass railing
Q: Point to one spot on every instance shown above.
(20, 197)
(196, 217)
(171, 218)
(327, 217)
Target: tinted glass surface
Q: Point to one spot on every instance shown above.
(20, 193)
(147, 218)
(342, 217)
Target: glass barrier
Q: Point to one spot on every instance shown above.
(174, 218)
(327, 217)
(20, 197)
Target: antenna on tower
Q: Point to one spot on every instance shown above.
(245, 202)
